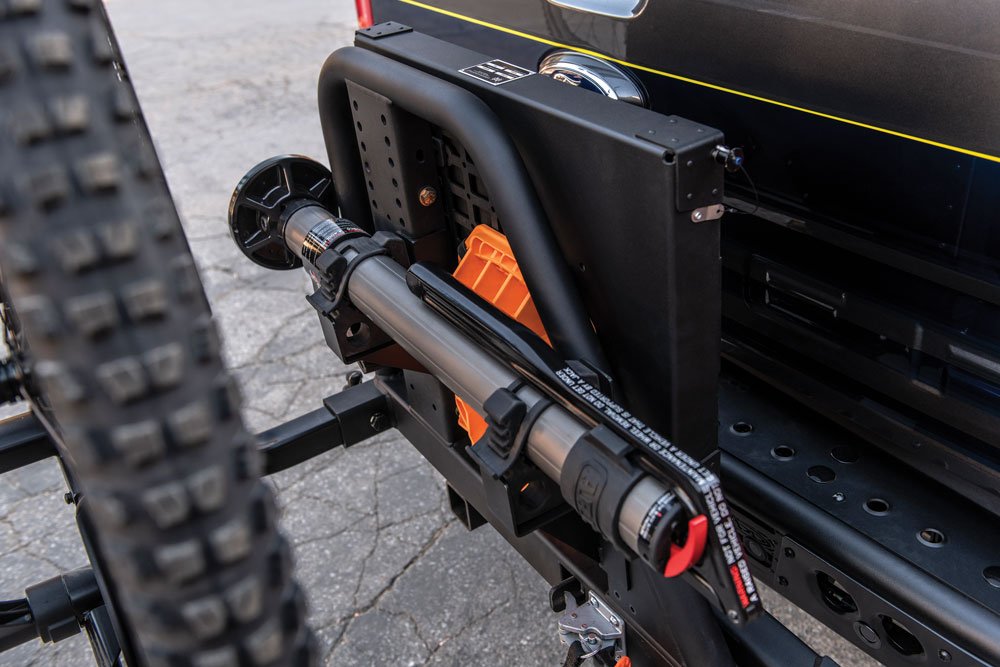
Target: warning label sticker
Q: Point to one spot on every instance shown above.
(496, 72)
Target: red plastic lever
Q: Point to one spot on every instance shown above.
(684, 556)
(364, 8)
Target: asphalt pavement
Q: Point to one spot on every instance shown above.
(392, 578)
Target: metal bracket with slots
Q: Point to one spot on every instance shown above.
(594, 625)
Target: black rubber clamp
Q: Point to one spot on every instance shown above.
(509, 422)
(335, 273)
(596, 477)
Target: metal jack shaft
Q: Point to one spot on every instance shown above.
(576, 436)
(377, 287)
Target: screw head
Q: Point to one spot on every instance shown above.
(379, 421)
(354, 378)
(944, 655)
(427, 196)
(698, 215)
(591, 640)
(839, 497)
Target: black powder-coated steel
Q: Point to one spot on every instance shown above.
(557, 299)
(645, 270)
(795, 476)
(23, 440)
(847, 204)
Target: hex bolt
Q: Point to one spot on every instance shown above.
(591, 639)
(379, 421)
(427, 196)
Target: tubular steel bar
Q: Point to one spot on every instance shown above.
(478, 129)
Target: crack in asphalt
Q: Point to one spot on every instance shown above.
(463, 628)
(357, 612)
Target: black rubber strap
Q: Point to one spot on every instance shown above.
(351, 266)
(516, 385)
(521, 439)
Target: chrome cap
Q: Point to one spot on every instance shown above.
(591, 73)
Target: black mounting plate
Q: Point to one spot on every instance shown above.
(258, 207)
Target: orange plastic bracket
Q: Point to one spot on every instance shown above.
(489, 269)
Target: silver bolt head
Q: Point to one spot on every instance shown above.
(379, 421)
